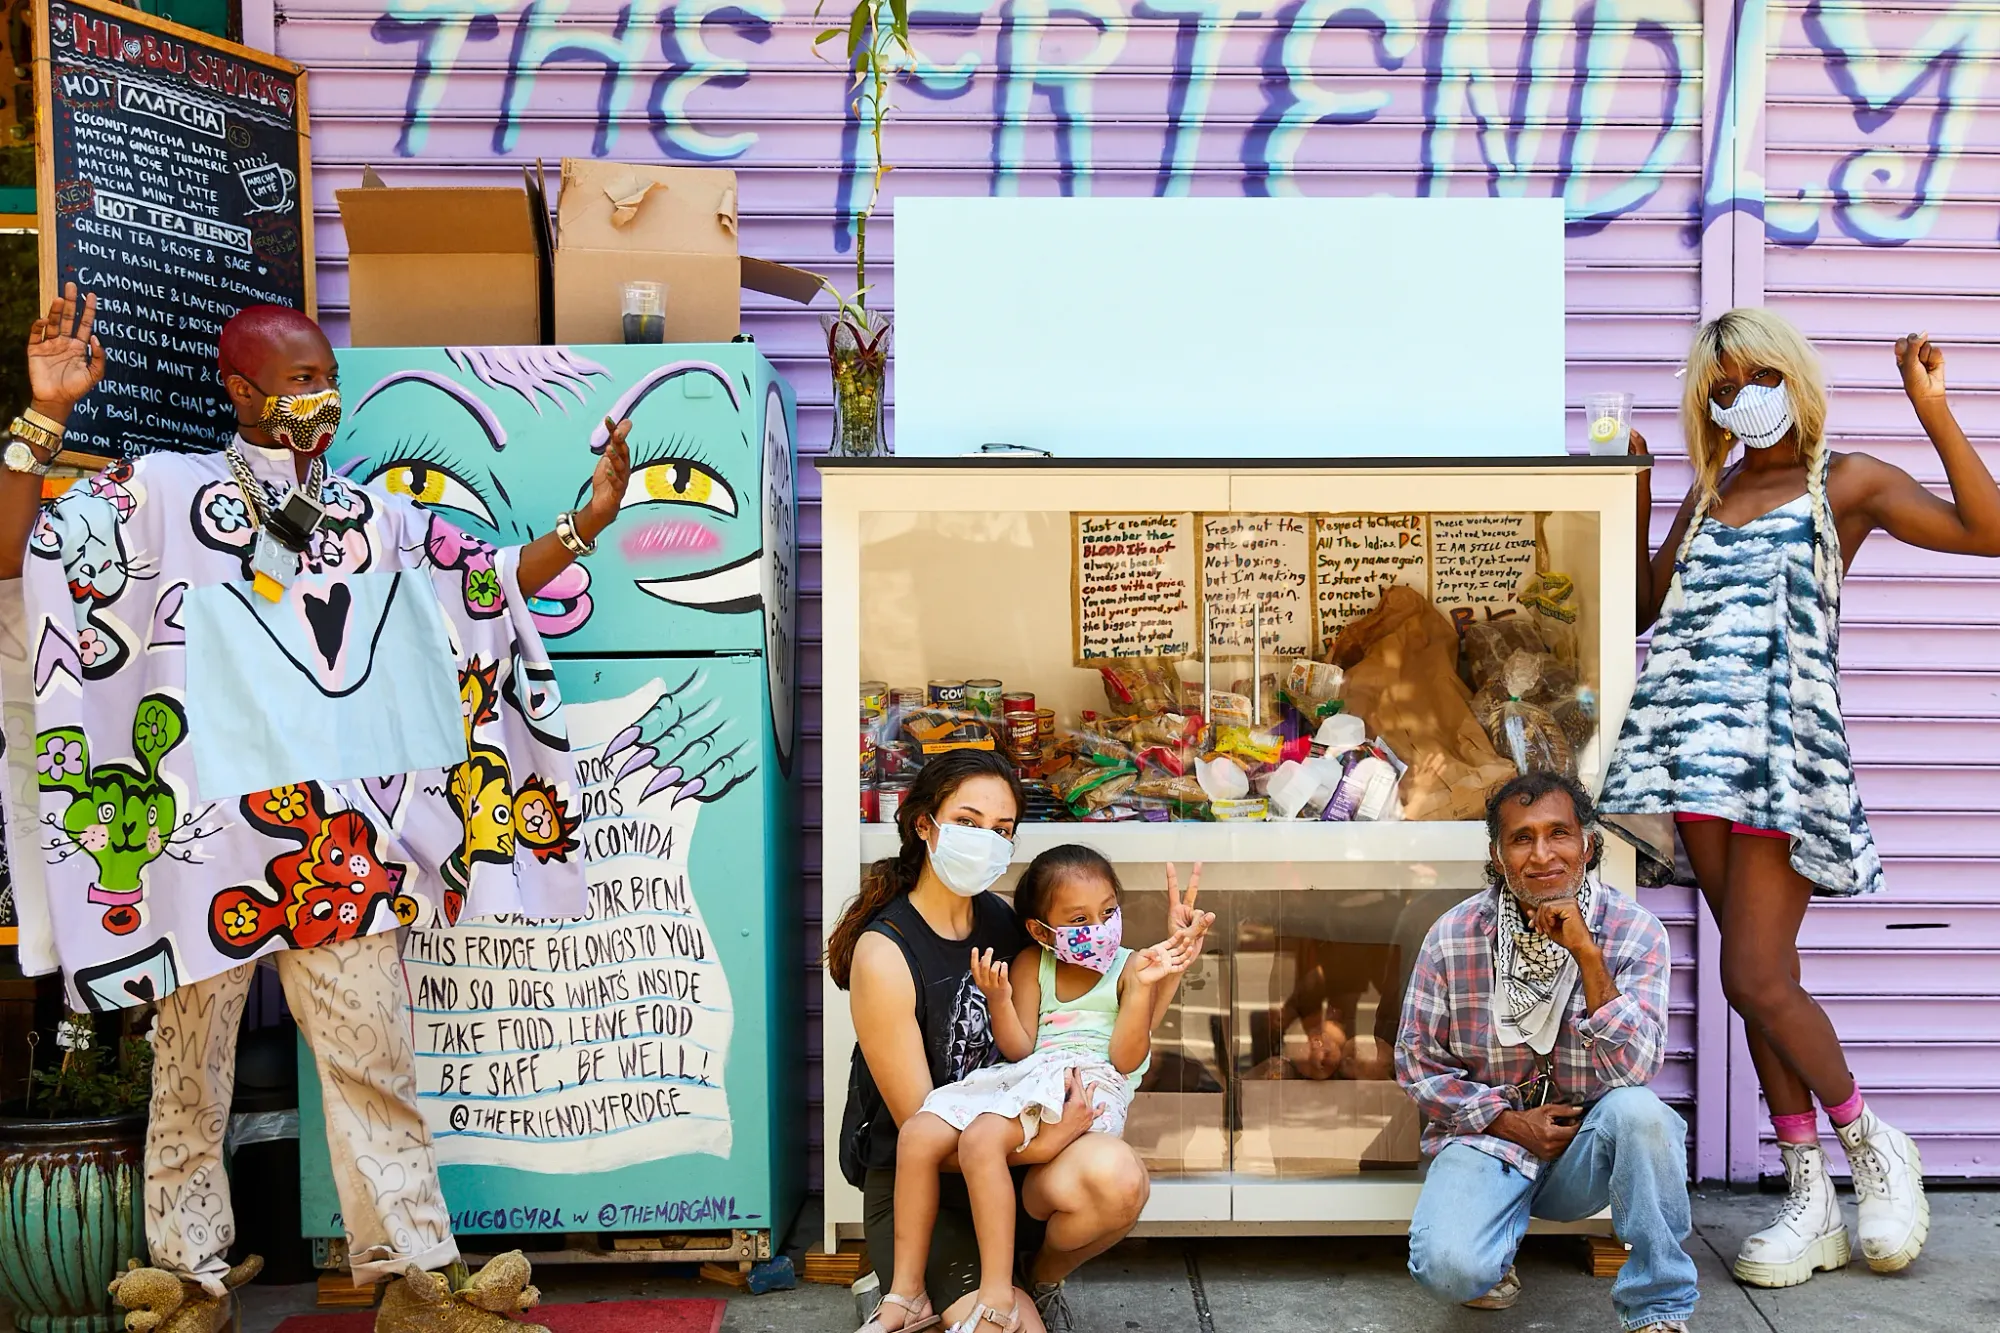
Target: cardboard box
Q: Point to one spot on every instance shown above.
(440, 267)
(618, 222)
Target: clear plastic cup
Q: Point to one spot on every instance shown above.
(645, 307)
(1607, 422)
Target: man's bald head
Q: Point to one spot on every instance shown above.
(272, 351)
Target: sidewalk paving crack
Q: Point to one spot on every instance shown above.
(1200, 1293)
(1729, 1266)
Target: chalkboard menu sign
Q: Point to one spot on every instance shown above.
(173, 184)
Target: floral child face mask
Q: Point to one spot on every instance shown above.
(1093, 946)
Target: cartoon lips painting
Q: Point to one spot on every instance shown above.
(564, 604)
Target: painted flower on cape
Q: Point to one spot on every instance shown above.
(228, 512)
(286, 804)
(60, 758)
(239, 921)
(482, 587)
(90, 645)
(542, 823)
(342, 500)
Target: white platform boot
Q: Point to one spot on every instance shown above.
(1889, 1189)
(1808, 1235)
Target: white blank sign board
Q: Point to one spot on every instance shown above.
(1218, 328)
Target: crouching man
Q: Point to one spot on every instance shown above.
(1535, 1019)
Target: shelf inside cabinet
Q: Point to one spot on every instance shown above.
(1452, 842)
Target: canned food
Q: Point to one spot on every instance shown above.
(1018, 703)
(870, 804)
(1045, 722)
(874, 698)
(906, 697)
(983, 697)
(871, 755)
(1024, 733)
(888, 801)
(945, 694)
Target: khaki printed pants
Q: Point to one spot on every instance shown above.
(348, 999)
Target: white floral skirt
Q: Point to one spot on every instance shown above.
(1032, 1090)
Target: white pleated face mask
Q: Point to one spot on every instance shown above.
(970, 860)
(1759, 417)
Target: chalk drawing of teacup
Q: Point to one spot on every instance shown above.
(268, 185)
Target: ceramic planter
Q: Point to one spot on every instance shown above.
(72, 1213)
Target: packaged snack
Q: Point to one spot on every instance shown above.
(1228, 709)
(1141, 686)
(1523, 731)
(1313, 689)
(1163, 729)
(1553, 605)
(1181, 789)
(1250, 808)
(1253, 747)
(1489, 643)
(936, 731)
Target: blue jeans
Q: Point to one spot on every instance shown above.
(1630, 1152)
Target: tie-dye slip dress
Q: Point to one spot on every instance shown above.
(1737, 713)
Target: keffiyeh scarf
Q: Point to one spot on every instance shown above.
(1535, 975)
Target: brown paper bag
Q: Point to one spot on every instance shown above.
(1402, 678)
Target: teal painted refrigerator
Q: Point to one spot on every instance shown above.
(642, 1070)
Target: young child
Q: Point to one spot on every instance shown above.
(1074, 1003)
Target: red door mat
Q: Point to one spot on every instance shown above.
(689, 1316)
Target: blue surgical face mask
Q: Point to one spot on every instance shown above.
(968, 861)
(1760, 415)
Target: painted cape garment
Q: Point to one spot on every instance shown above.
(220, 777)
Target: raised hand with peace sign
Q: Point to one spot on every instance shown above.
(1183, 921)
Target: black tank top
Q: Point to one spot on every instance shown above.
(951, 1011)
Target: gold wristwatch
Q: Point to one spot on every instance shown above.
(29, 432)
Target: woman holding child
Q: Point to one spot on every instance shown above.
(929, 955)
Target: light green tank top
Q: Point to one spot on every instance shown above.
(1085, 1023)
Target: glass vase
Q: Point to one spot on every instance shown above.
(857, 350)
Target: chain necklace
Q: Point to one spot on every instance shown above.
(253, 489)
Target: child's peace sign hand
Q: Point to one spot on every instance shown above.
(991, 978)
(1183, 921)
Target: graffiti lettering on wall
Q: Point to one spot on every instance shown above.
(1598, 102)
(704, 1210)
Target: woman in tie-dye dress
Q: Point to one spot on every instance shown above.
(1735, 730)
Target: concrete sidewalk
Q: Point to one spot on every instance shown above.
(1358, 1285)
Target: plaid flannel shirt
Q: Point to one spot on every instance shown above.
(1448, 1054)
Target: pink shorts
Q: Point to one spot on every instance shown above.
(1682, 817)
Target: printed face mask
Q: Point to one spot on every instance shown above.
(969, 860)
(303, 423)
(1759, 417)
(1093, 946)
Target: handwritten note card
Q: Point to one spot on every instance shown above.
(583, 1045)
(1478, 563)
(1356, 556)
(1261, 561)
(1134, 585)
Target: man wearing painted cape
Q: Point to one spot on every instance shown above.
(255, 709)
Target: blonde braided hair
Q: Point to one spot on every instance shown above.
(1757, 338)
